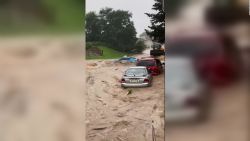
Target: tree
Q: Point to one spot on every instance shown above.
(113, 27)
(93, 29)
(118, 30)
(157, 28)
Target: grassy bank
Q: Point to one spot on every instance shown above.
(108, 53)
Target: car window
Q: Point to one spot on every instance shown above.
(146, 63)
(193, 48)
(179, 74)
(136, 72)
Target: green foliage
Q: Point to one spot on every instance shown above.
(68, 14)
(89, 45)
(93, 27)
(157, 28)
(113, 27)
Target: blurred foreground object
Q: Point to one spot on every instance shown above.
(215, 34)
(39, 16)
(229, 12)
(41, 88)
(186, 95)
(216, 57)
(41, 76)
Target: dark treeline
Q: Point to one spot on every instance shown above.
(157, 28)
(114, 28)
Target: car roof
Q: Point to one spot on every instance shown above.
(145, 59)
(137, 67)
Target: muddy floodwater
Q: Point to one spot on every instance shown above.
(117, 114)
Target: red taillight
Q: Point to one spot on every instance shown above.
(123, 80)
(146, 80)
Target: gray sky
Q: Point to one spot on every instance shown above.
(136, 7)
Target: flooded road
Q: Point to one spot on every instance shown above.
(114, 113)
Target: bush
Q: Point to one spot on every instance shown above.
(89, 45)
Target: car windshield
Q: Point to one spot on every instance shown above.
(146, 63)
(136, 72)
(177, 75)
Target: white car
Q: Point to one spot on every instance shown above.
(136, 77)
(186, 95)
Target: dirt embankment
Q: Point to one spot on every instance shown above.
(117, 114)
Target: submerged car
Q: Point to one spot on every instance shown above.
(152, 64)
(187, 97)
(127, 60)
(157, 50)
(136, 77)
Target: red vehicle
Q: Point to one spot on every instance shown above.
(216, 58)
(152, 64)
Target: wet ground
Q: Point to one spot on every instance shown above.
(118, 114)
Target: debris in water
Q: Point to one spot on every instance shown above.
(129, 92)
(99, 128)
(92, 64)
(121, 115)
